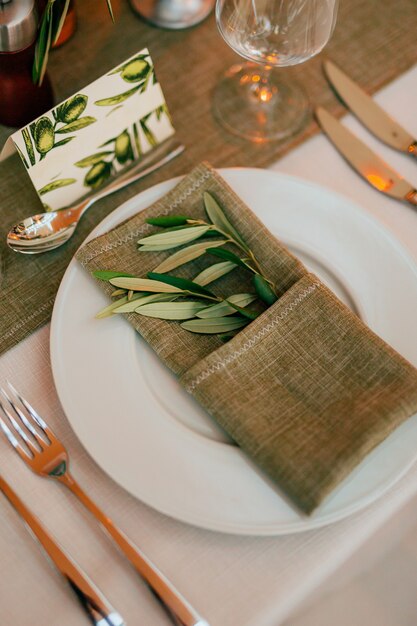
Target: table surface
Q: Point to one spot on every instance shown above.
(230, 580)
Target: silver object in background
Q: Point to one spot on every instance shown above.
(18, 24)
(372, 116)
(47, 231)
(173, 14)
(373, 169)
(98, 609)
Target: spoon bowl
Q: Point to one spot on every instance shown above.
(47, 231)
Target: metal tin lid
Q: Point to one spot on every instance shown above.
(18, 24)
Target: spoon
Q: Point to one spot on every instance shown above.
(47, 231)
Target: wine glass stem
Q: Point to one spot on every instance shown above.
(264, 89)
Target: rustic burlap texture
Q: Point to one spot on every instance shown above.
(373, 41)
(306, 390)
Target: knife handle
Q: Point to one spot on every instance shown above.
(412, 149)
(411, 197)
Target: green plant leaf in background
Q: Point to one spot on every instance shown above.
(56, 184)
(62, 142)
(52, 21)
(139, 299)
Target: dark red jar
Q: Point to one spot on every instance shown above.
(20, 100)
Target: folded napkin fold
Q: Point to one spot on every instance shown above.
(306, 389)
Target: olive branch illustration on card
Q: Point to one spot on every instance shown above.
(45, 133)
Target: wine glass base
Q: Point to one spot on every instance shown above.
(258, 106)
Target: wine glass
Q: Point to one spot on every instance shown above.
(251, 101)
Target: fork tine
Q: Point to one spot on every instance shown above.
(33, 414)
(12, 439)
(15, 425)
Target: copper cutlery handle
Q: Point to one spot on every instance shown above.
(96, 606)
(176, 605)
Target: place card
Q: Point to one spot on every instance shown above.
(78, 145)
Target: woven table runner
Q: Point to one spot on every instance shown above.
(373, 44)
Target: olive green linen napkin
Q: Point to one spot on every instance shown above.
(306, 390)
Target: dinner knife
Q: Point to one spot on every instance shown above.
(373, 169)
(98, 609)
(372, 116)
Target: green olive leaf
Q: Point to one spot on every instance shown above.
(108, 274)
(167, 221)
(215, 325)
(121, 97)
(170, 310)
(177, 237)
(144, 284)
(56, 184)
(182, 284)
(82, 122)
(138, 299)
(29, 146)
(92, 160)
(213, 272)
(185, 255)
(218, 218)
(264, 290)
(108, 310)
(159, 248)
(226, 307)
(229, 256)
(252, 315)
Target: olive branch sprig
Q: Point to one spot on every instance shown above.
(170, 297)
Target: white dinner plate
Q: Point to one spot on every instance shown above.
(151, 437)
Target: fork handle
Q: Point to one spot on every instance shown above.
(96, 606)
(181, 612)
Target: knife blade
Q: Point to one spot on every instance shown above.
(372, 116)
(370, 166)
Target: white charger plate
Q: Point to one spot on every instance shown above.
(152, 438)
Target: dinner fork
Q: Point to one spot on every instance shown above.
(92, 600)
(45, 454)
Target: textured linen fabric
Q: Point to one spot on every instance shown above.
(306, 389)
(372, 45)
